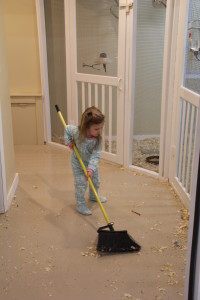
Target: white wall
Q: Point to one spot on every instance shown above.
(22, 51)
(22, 46)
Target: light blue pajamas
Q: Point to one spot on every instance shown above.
(90, 154)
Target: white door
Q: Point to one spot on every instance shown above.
(84, 54)
(186, 99)
(95, 47)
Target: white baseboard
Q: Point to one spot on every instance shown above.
(11, 192)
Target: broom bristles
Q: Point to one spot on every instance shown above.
(116, 241)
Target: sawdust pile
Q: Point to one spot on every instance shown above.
(141, 150)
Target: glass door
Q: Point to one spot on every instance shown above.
(150, 33)
(97, 47)
(186, 112)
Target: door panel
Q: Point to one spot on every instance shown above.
(97, 78)
(85, 41)
(186, 103)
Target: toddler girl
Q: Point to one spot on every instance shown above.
(88, 140)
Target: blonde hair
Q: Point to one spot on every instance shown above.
(92, 115)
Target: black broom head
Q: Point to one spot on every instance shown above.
(116, 241)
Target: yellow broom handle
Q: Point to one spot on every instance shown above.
(84, 169)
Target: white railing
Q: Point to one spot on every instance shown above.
(103, 96)
(186, 143)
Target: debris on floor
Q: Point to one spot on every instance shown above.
(91, 251)
(127, 296)
(181, 230)
(167, 269)
(135, 212)
(159, 249)
(49, 251)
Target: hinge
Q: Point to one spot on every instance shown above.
(126, 3)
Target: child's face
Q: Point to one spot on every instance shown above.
(95, 130)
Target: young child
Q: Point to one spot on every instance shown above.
(88, 140)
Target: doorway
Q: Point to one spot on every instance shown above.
(102, 53)
(150, 36)
(85, 53)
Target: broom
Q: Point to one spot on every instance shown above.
(109, 240)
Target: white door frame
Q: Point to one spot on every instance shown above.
(43, 68)
(170, 46)
(131, 29)
(6, 197)
(171, 25)
(2, 171)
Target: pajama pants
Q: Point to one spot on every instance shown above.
(81, 183)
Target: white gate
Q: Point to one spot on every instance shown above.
(89, 86)
(186, 108)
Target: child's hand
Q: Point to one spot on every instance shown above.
(70, 145)
(89, 174)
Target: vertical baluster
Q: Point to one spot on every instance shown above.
(110, 118)
(181, 140)
(194, 137)
(89, 94)
(96, 94)
(103, 111)
(83, 96)
(188, 175)
(185, 146)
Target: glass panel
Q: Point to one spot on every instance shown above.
(55, 39)
(191, 78)
(148, 83)
(97, 37)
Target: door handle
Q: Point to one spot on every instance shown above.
(119, 85)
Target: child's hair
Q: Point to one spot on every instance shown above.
(92, 115)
